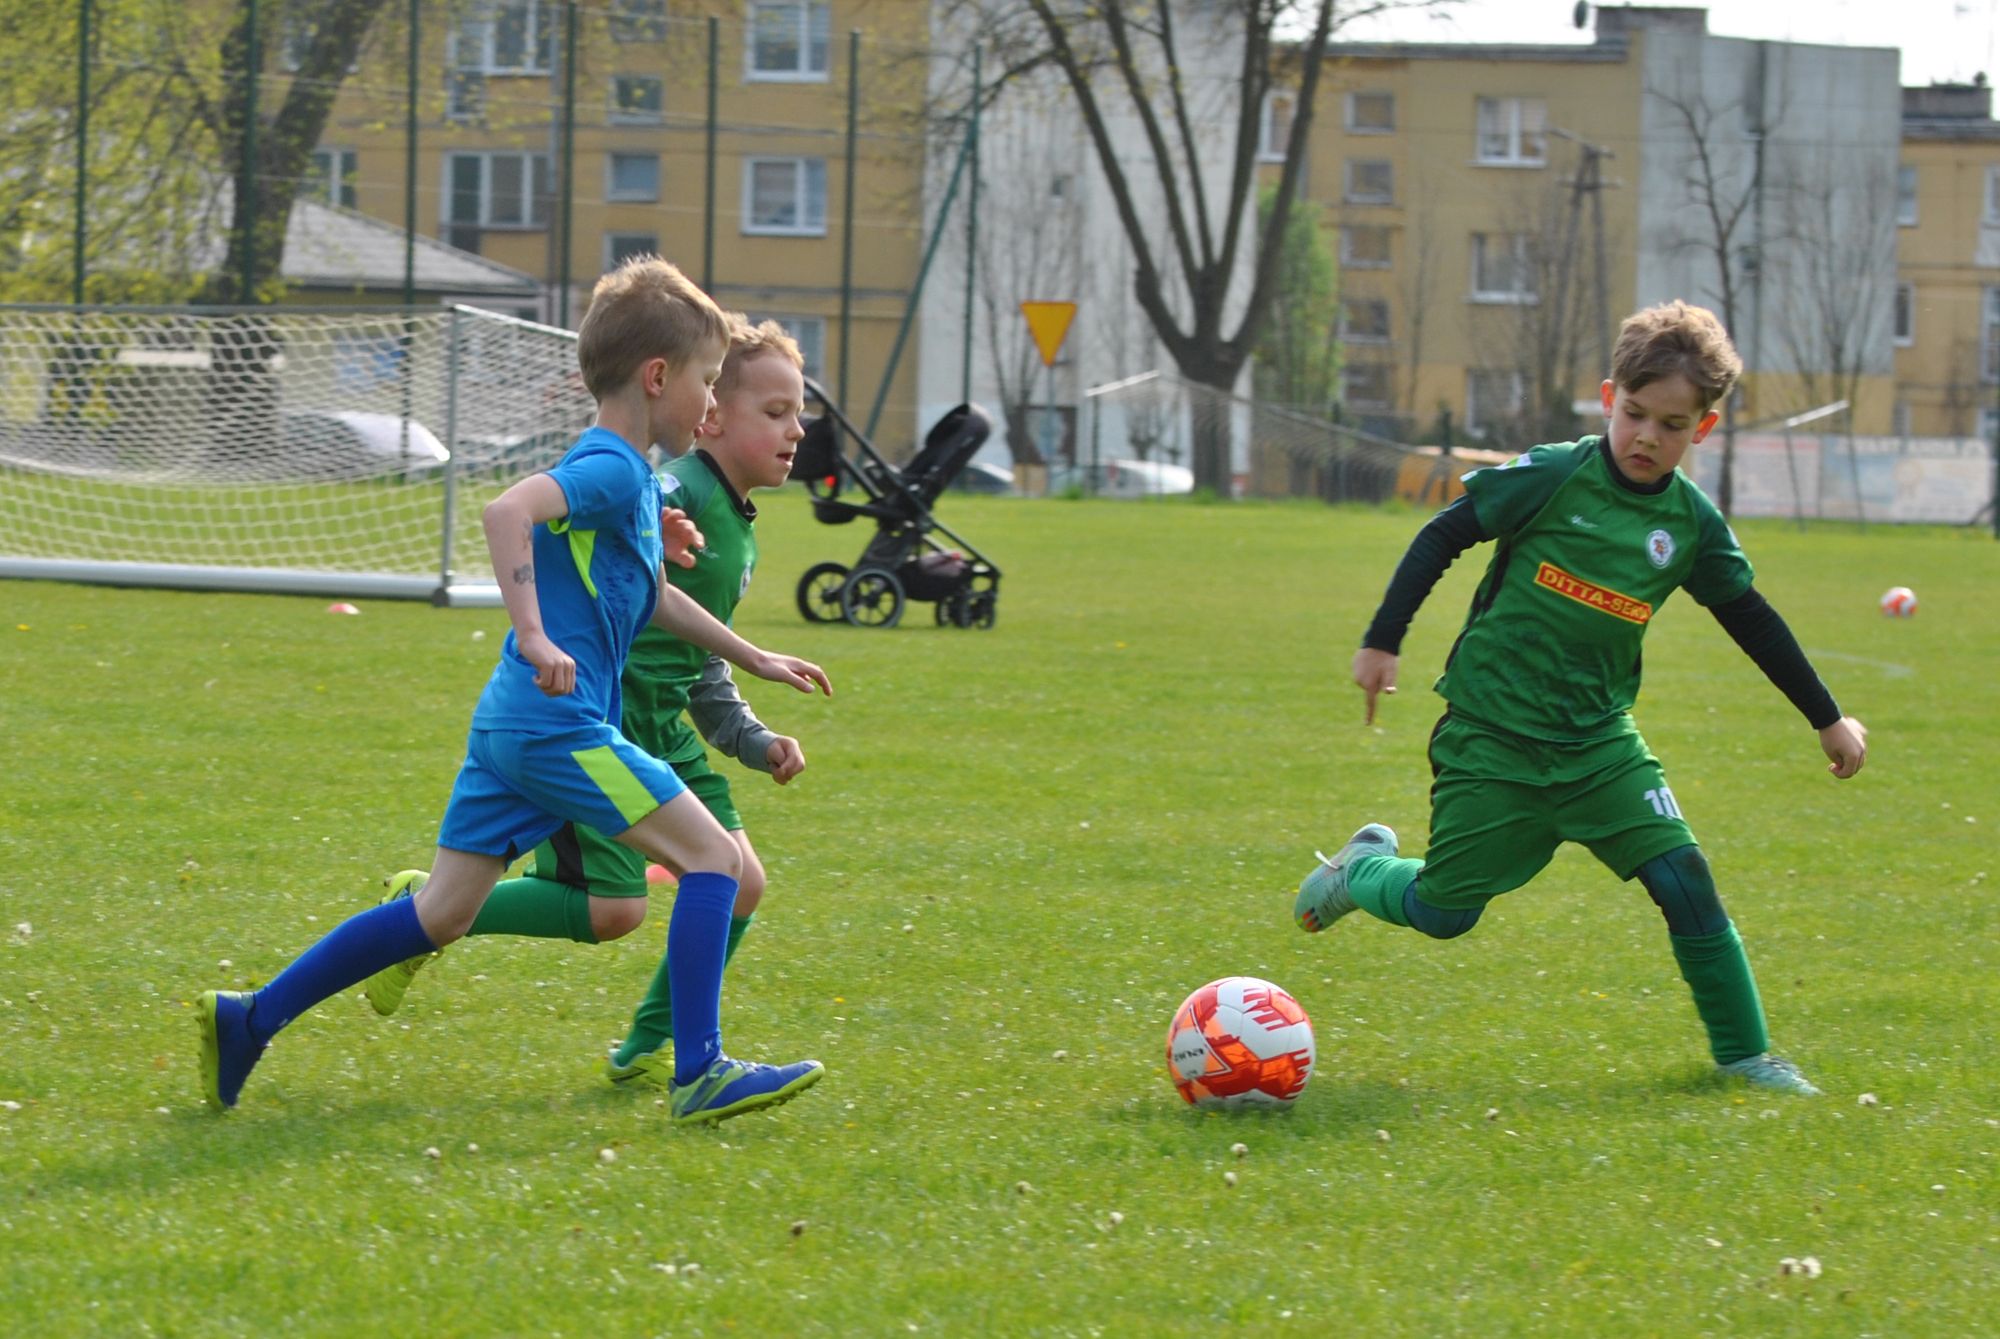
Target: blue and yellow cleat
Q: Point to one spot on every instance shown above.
(228, 1050)
(1323, 897)
(385, 989)
(731, 1087)
(1772, 1072)
(648, 1067)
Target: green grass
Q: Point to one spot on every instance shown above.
(1012, 855)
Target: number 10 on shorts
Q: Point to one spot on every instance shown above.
(1663, 803)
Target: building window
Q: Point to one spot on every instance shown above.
(1274, 127)
(1899, 420)
(1500, 270)
(494, 190)
(506, 37)
(1371, 112)
(1906, 195)
(788, 40)
(632, 176)
(1989, 338)
(1906, 315)
(638, 99)
(1366, 385)
(1370, 181)
(638, 20)
(784, 196)
(332, 176)
(620, 247)
(1513, 132)
(1365, 321)
(809, 331)
(1492, 397)
(1992, 219)
(1364, 247)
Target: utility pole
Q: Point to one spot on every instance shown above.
(1588, 183)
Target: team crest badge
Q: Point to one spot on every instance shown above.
(1660, 548)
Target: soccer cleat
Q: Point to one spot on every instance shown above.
(228, 1050)
(648, 1067)
(385, 989)
(1773, 1072)
(1323, 897)
(731, 1087)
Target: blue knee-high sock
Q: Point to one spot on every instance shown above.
(351, 951)
(697, 936)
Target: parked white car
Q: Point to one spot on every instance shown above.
(1125, 478)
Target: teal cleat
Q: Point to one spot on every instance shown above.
(1772, 1072)
(1323, 897)
(731, 1087)
(386, 988)
(648, 1067)
(228, 1049)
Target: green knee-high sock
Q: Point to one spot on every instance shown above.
(653, 1021)
(538, 908)
(1376, 883)
(1717, 970)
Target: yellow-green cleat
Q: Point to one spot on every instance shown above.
(654, 1068)
(386, 988)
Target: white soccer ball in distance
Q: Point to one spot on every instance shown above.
(1899, 602)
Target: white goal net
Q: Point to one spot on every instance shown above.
(312, 451)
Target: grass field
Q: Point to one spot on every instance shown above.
(1013, 853)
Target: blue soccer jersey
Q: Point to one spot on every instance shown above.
(597, 573)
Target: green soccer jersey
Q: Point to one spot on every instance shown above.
(662, 669)
(1551, 645)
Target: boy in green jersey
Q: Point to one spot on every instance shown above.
(1537, 745)
(583, 886)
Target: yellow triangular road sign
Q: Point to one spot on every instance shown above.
(1048, 322)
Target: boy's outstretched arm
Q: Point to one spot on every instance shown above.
(678, 613)
(1767, 639)
(510, 522)
(1435, 547)
(725, 720)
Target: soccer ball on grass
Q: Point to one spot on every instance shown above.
(1240, 1042)
(1899, 602)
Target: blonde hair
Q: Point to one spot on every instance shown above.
(1676, 338)
(748, 342)
(646, 308)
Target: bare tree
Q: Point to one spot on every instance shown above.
(1417, 285)
(1837, 216)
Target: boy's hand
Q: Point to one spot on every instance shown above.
(787, 759)
(678, 537)
(800, 674)
(1375, 671)
(555, 672)
(1846, 743)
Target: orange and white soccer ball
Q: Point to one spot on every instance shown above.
(1899, 602)
(1240, 1042)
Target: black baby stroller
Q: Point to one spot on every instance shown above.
(902, 562)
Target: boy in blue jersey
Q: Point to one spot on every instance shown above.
(1537, 745)
(577, 553)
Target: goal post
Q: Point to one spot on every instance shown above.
(311, 451)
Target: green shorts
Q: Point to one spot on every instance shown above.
(1502, 803)
(585, 858)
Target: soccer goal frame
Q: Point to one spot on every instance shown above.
(326, 451)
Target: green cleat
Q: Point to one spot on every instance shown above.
(731, 1087)
(648, 1067)
(1323, 897)
(385, 989)
(1772, 1072)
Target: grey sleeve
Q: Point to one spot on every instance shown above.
(725, 719)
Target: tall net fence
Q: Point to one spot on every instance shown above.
(315, 451)
(1825, 471)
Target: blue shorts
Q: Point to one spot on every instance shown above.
(517, 788)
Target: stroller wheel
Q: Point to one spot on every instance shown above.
(982, 610)
(819, 593)
(872, 598)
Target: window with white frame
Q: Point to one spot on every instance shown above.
(620, 247)
(632, 177)
(1365, 320)
(638, 99)
(1370, 181)
(1364, 247)
(1493, 396)
(1906, 195)
(809, 331)
(784, 196)
(1500, 269)
(638, 20)
(1512, 132)
(1371, 112)
(1367, 385)
(1274, 126)
(494, 190)
(506, 37)
(1906, 315)
(787, 39)
(1992, 216)
(332, 177)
